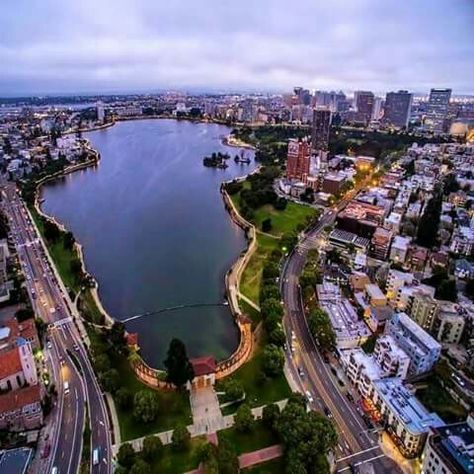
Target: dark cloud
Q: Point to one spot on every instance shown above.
(92, 45)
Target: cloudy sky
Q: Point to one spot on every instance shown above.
(68, 46)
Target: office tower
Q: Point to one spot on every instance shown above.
(397, 108)
(298, 159)
(100, 112)
(320, 129)
(377, 108)
(437, 110)
(364, 104)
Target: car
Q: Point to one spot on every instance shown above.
(327, 412)
(95, 457)
(49, 345)
(66, 387)
(46, 451)
(300, 372)
(349, 396)
(309, 397)
(325, 358)
(76, 347)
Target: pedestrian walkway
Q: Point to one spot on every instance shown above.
(207, 416)
(260, 456)
(248, 301)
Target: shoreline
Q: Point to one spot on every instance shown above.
(236, 268)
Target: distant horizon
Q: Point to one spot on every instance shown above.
(113, 47)
(199, 91)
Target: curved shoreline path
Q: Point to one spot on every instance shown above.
(155, 232)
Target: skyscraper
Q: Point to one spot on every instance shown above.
(298, 159)
(320, 129)
(364, 104)
(437, 111)
(100, 112)
(397, 108)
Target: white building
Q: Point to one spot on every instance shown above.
(406, 419)
(423, 350)
(449, 324)
(399, 249)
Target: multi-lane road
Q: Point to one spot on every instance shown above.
(77, 387)
(357, 444)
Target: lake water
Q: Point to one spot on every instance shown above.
(155, 232)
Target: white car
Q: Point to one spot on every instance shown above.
(309, 397)
(66, 387)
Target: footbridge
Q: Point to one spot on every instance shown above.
(172, 308)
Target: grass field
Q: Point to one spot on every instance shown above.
(172, 462)
(251, 312)
(258, 391)
(260, 437)
(252, 275)
(174, 407)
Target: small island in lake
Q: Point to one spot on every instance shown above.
(216, 160)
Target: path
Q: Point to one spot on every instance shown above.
(206, 411)
(260, 456)
(248, 301)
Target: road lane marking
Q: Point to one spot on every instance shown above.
(357, 454)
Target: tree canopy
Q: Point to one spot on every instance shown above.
(177, 364)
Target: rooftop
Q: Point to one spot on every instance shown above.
(405, 406)
(17, 399)
(203, 365)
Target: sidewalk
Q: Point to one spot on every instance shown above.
(260, 456)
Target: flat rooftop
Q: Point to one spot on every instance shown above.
(15, 461)
(405, 406)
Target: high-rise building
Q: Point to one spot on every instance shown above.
(377, 108)
(298, 159)
(320, 129)
(100, 112)
(364, 104)
(437, 111)
(397, 108)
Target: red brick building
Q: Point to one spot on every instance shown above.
(298, 159)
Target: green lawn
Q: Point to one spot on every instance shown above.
(251, 312)
(436, 398)
(173, 462)
(252, 274)
(61, 256)
(174, 407)
(277, 466)
(258, 391)
(260, 437)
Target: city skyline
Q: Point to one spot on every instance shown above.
(148, 47)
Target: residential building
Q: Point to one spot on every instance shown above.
(298, 160)
(100, 112)
(437, 111)
(17, 367)
(392, 360)
(375, 295)
(21, 409)
(424, 310)
(397, 109)
(395, 280)
(333, 182)
(399, 249)
(377, 317)
(407, 421)
(423, 350)
(380, 243)
(350, 331)
(320, 129)
(361, 218)
(449, 323)
(449, 449)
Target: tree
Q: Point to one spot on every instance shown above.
(270, 414)
(269, 290)
(140, 467)
(447, 290)
(271, 271)
(208, 458)
(244, 420)
(321, 329)
(429, 222)
(271, 307)
(51, 231)
(277, 337)
(181, 438)
(126, 455)
(305, 436)
(227, 459)
(469, 289)
(75, 266)
(177, 364)
(145, 406)
(273, 360)
(267, 225)
(23, 314)
(117, 335)
(123, 398)
(110, 380)
(233, 390)
(152, 448)
(102, 362)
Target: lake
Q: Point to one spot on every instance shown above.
(154, 231)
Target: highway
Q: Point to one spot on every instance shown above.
(357, 444)
(76, 383)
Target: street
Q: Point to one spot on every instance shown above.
(75, 380)
(357, 444)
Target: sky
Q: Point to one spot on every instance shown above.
(100, 46)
